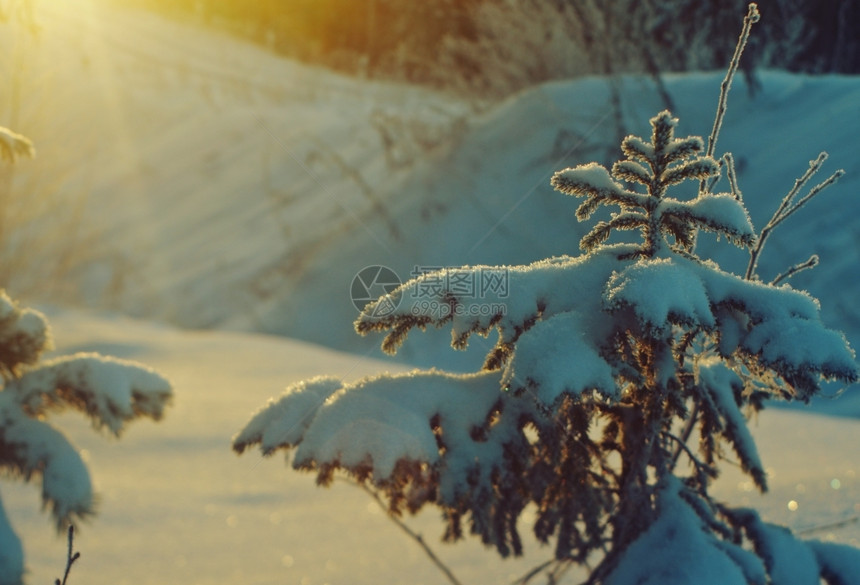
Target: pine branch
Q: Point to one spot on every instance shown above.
(682, 148)
(558, 571)
(632, 172)
(637, 149)
(598, 235)
(700, 168)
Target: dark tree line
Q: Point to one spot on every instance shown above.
(500, 46)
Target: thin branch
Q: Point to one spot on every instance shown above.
(411, 533)
(811, 263)
(557, 573)
(703, 469)
(814, 167)
(533, 572)
(789, 206)
(732, 176)
(685, 435)
(751, 18)
(831, 526)
(812, 193)
(71, 557)
(712, 182)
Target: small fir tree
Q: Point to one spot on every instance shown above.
(111, 392)
(619, 380)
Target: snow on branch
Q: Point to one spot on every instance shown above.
(786, 558)
(282, 423)
(24, 335)
(721, 213)
(109, 390)
(679, 548)
(391, 426)
(839, 563)
(534, 291)
(373, 422)
(32, 448)
(669, 161)
(661, 292)
(801, 349)
(724, 388)
(566, 340)
(593, 182)
(780, 327)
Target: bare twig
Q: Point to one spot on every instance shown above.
(703, 469)
(685, 435)
(811, 263)
(534, 572)
(557, 573)
(751, 18)
(70, 558)
(732, 176)
(789, 205)
(831, 526)
(411, 533)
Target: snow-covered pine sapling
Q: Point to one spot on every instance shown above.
(618, 380)
(606, 365)
(111, 392)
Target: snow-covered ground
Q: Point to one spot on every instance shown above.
(177, 506)
(186, 177)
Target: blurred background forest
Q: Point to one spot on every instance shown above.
(496, 47)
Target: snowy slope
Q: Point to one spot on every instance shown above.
(177, 506)
(489, 200)
(193, 166)
(216, 185)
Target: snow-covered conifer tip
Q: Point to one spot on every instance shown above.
(663, 162)
(24, 335)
